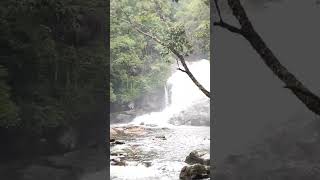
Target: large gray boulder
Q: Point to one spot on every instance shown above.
(198, 157)
(196, 115)
(196, 171)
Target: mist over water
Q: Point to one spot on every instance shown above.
(181, 94)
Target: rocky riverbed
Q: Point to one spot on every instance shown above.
(147, 152)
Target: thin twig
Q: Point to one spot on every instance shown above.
(181, 70)
(228, 27)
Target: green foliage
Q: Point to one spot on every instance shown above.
(8, 110)
(138, 63)
(195, 15)
(54, 53)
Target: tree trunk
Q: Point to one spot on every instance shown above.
(248, 32)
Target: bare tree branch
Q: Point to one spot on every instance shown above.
(311, 101)
(218, 9)
(181, 70)
(186, 69)
(228, 27)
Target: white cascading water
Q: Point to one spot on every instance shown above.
(166, 96)
(184, 101)
(183, 94)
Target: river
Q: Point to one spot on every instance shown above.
(170, 135)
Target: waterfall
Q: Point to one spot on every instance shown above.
(166, 96)
(185, 97)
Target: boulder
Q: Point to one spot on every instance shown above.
(118, 162)
(196, 115)
(147, 163)
(196, 171)
(124, 116)
(198, 157)
(116, 132)
(121, 118)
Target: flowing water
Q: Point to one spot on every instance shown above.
(186, 106)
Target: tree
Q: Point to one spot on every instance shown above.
(52, 63)
(155, 20)
(246, 30)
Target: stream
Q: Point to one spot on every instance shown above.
(155, 145)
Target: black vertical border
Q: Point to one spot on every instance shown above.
(106, 135)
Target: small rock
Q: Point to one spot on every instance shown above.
(118, 154)
(118, 162)
(119, 142)
(147, 163)
(161, 137)
(151, 125)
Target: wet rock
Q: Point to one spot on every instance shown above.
(196, 171)
(195, 115)
(125, 116)
(118, 132)
(119, 142)
(113, 133)
(198, 157)
(121, 150)
(147, 163)
(119, 153)
(118, 162)
(161, 137)
(122, 117)
(135, 130)
(115, 154)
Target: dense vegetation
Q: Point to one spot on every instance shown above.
(138, 63)
(53, 64)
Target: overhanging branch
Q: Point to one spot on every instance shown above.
(309, 99)
(228, 27)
